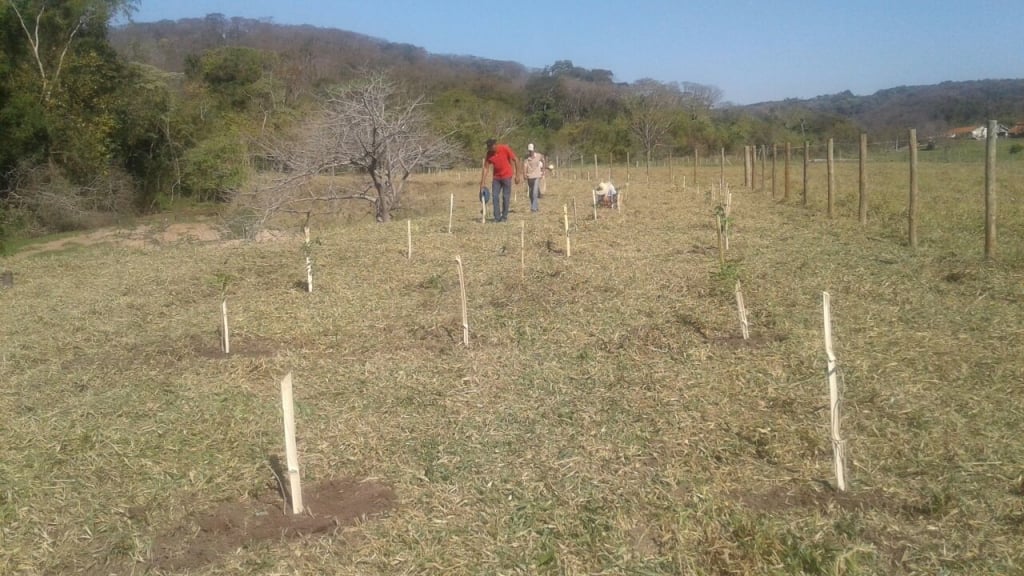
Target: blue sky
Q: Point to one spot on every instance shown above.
(753, 51)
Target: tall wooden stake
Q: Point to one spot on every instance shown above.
(912, 208)
(807, 160)
(568, 243)
(465, 307)
(593, 194)
(785, 171)
(838, 444)
(990, 191)
(451, 212)
(862, 207)
(696, 160)
(291, 451)
(309, 261)
(831, 179)
(721, 170)
(721, 240)
(483, 211)
(226, 340)
(741, 307)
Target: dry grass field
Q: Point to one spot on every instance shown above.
(606, 418)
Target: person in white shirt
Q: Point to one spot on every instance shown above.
(533, 167)
(607, 194)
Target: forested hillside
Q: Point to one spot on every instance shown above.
(933, 110)
(99, 120)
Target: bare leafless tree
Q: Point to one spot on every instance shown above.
(369, 129)
(652, 113)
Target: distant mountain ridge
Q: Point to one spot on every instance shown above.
(931, 109)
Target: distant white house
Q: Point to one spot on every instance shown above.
(977, 132)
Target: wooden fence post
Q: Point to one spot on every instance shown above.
(696, 157)
(721, 170)
(912, 208)
(863, 179)
(990, 191)
(785, 188)
(831, 179)
(746, 167)
(807, 161)
(775, 154)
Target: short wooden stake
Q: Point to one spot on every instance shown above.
(465, 310)
(225, 340)
(309, 261)
(451, 212)
(838, 444)
(291, 451)
(568, 244)
(744, 324)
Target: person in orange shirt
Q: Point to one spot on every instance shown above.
(505, 169)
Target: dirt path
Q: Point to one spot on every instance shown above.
(144, 235)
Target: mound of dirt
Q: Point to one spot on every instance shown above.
(329, 505)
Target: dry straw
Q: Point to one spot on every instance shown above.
(601, 421)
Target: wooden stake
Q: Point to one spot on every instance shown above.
(483, 211)
(309, 262)
(831, 162)
(807, 160)
(574, 214)
(721, 240)
(568, 244)
(744, 324)
(990, 191)
(451, 212)
(226, 340)
(593, 194)
(912, 208)
(838, 444)
(291, 451)
(465, 311)
(862, 178)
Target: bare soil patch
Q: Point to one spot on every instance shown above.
(211, 534)
(150, 235)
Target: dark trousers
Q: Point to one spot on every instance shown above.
(501, 196)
